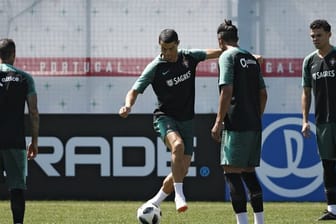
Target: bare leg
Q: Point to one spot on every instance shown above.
(166, 189)
(179, 165)
(176, 146)
(174, 180)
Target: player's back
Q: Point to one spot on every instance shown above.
(13, 92)
(244, 113)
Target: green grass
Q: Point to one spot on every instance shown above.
(124, 212)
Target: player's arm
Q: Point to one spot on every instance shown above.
(263, 100)
(305, 106)
(138, 87)
(223, 106)
(35, 122)
(213, 53)
(259, 58)
(129, 102)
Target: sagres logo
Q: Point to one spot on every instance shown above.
(290, 166)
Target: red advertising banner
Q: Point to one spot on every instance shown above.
(124, 67)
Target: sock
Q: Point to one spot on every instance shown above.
(258, 217)
(242, 218)
(17, 205)
(330, 184)
(237, 192)
(159, 197)
(255, 191)
(332, 209)
(178, 187)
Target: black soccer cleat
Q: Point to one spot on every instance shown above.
(327, 216)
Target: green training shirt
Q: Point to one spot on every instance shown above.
(240, 69)
(15, 86)
(320, 74)
(173, 83)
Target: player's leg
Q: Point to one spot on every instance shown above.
(330, 184)
(233, 158)
(15, 163)
(176, 146)
(166, 189)
(237, 194)
(185, 133)
(17, 200)
(162, 126)
(179, 169)
(167, 129)
(168, 185)
(326, 138)
(253, 140)
(256, 195)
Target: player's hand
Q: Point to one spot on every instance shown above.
(32, 151)
(259, 58)
(124, 111)
(216, 131)
(305, 130)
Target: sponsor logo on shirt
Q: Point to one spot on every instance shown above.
(245, 62)
(10, 79)
(176, 80)
(324, 74)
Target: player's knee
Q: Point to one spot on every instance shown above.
(178, 150)
(178, 146)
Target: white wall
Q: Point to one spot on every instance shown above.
(129, 29)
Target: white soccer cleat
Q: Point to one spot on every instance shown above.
(181, 204)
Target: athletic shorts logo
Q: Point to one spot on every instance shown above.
(290, 166)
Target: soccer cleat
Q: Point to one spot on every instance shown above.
(327, 216)
(181, 204)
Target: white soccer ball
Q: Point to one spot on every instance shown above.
(149, 213)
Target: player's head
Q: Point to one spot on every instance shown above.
(227, 34)
(320, 33)
(320, 24)
(7, 51)
(168, 40)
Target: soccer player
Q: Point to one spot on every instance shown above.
(16, 88)
(172, 76)
(319, 74)
(242, 101)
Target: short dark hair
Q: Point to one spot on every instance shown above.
(320, 23)
(227, 32)
(168, 36)
(7, 48)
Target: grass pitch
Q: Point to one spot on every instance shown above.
(124, 212)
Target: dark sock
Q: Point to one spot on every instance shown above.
(255, 191)
(329, 181)
(237, 192)
(17, 205)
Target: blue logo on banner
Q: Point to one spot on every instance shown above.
(290, 167)
(204, 171)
